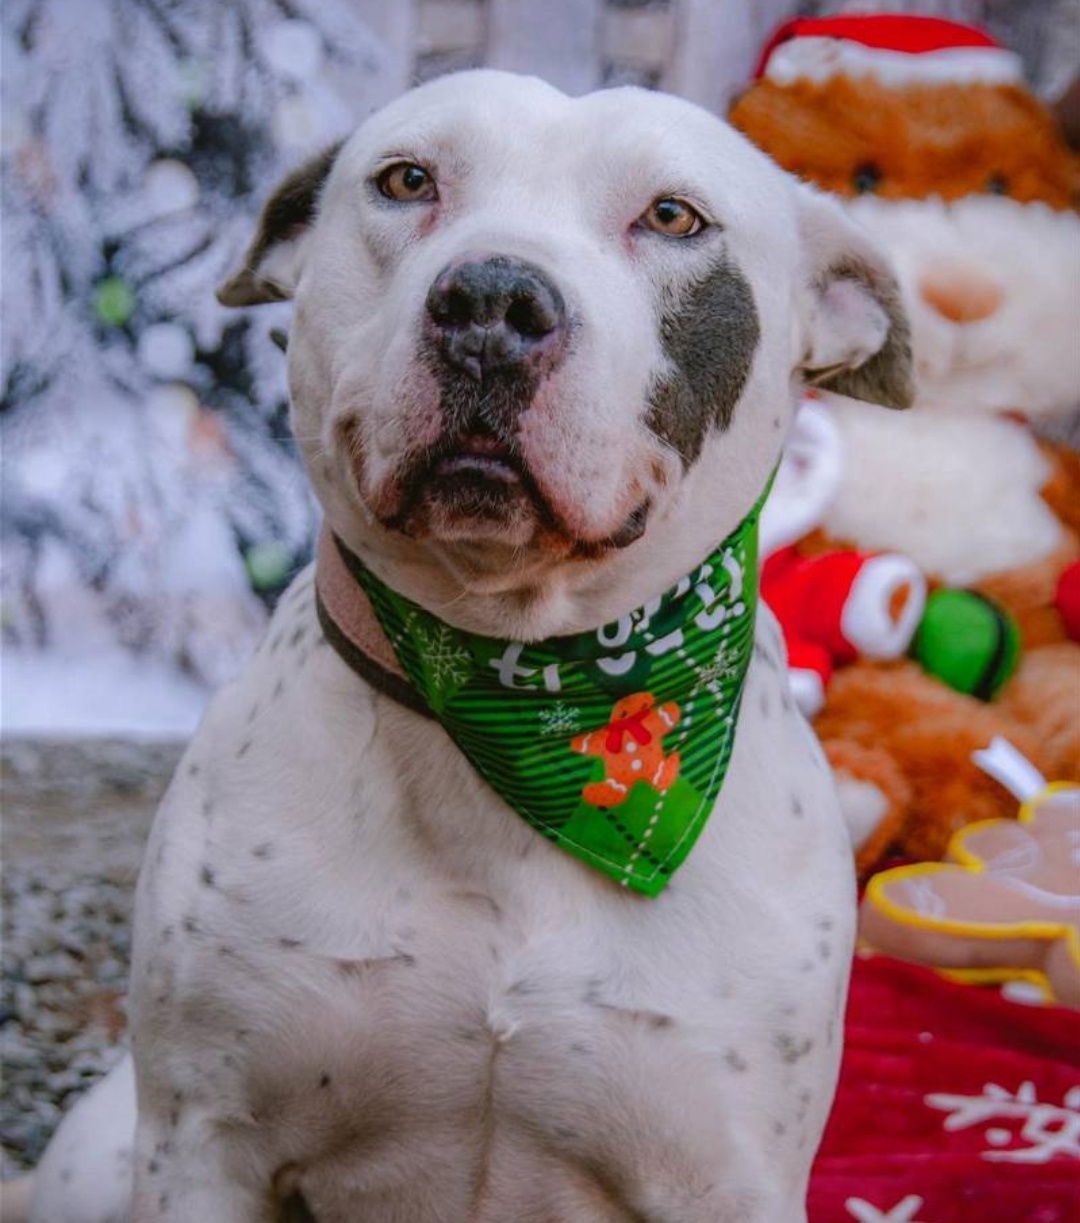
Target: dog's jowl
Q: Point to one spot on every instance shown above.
(478, 896)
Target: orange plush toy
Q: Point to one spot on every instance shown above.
(927, 129)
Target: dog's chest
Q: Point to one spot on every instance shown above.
(394, 971)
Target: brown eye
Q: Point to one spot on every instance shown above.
(672, 217)
(406, 182)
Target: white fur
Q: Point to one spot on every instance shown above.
(957, 493)
(954, 484)
(820, 59)
(357, 974)
(1024, 357)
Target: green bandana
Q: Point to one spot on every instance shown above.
(613, 743)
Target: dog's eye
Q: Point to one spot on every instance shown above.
(672, 217)
(997, 184)
(406, 182)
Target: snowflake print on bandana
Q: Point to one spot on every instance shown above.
(561, 719)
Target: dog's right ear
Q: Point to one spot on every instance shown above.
(272, 263)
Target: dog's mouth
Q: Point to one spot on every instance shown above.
(471, 484)
(478, 487)
(478, 459)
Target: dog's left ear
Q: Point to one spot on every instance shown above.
(271, 265)
(858, 342)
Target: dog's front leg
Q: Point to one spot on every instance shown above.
(195, 1170)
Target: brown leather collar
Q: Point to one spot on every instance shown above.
(349, 625)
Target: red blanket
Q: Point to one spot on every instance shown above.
(955, 1106)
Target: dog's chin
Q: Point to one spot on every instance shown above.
(481, 497)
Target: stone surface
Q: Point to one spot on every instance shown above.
(76, 815)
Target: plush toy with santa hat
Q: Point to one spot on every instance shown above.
(927, 129)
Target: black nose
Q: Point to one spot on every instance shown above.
(496, 315)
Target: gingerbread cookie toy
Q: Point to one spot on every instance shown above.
(1006, 905)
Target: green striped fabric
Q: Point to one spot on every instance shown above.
(612, 743)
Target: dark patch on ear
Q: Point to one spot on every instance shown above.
(709, 338)
(289, 210)
(886, 377)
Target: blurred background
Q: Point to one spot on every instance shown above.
(153, 505)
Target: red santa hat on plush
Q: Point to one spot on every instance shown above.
(895, 50)
(839, 606)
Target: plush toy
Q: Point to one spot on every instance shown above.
(928, 130)
(1005, 906)
(967, 641)
(839, 606)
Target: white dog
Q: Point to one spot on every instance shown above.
(544, 355)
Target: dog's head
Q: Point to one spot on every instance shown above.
(546, 348)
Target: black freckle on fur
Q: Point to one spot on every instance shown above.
(275, 642)
(582, 1050)
(153, 1167)
(777, 423)
(764, 704)
(207, 808)
(224, 949)
(227, 1059)
(193, 769)
(297, 636)
(190, 925)
(735, 1061)
(243, 749)
(523, 987)
(253, 714)
(163, 1202)
(263, 851)
(206, 875)
(166, 934)
(779, 1129)
(406, 959)
(824, 923)
(709, 339)
(806, 966)
(823, 950)
(790, 1049)
(279, 688)
(324, 1080)
(65, 1175)
(290, 943)
(796, 807)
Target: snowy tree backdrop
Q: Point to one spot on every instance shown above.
(153, 505)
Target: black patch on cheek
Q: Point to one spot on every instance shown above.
(709, 338)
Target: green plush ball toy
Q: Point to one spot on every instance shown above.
(967, 642)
